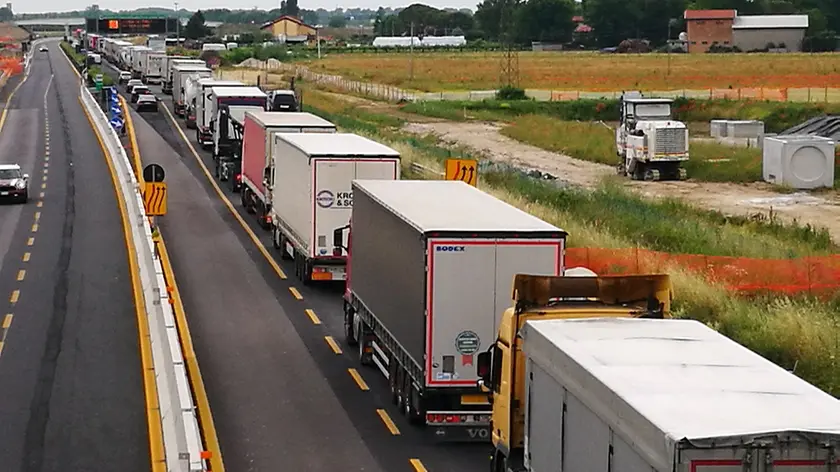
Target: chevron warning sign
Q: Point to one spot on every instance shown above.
(154, 197)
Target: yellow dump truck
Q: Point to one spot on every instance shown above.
(501, 370)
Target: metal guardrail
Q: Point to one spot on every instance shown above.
(181, 434)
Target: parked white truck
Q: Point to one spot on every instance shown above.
(203, 116)
(180, 74)
(312, 198)
(154, 68)
(168, 68)
(649, 143)
(138, 60)
(227, 111)
(430, 272)
(664, 395)
(260, 127)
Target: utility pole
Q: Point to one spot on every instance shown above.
(509, 67)
(411, 54)
(177, 27)
(318, 40)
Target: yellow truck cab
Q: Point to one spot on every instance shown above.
(501, 369)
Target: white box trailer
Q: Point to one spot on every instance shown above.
(259, 129)
(654, 395)
(203, 116)
(227, 110)
(180, 74)
(169, 72)
(154, 68)
(138, 60)
(430, 273)
(312, 196)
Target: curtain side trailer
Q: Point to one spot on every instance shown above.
(430, 272)
(666, 395)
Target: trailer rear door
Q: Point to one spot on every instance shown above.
(798, 457)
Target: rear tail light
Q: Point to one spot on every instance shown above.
(483, 370)
(268, 219)
(336, 251)
(239, 177)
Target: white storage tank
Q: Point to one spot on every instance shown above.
(800, 161)
(744, 129)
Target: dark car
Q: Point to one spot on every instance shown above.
(147, 101)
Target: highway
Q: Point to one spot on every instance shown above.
(282, 385)
(71, 392)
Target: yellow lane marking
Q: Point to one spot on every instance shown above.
(15, 296)
(153, 416)
(295, 293)
(43, 185)
(26, 256)
(42, 194)
(46, 171)
(312, 316)
(208, 427)
(9, 100)
(40, 204)
(333, 345)
(44, 178)
(358, 378)
(35, 228)
(1, 347)
(418, 466)
(21, 275)
(46, 165)
(389, 423)
(225, 199)
(30, 241)
(135, 148)
(7, 321)
(37, 215)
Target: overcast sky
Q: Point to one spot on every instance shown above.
(39, 6)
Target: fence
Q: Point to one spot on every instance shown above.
(181, 435)
(812, 275)
(387, 92)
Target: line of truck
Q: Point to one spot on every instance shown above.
(579, 373)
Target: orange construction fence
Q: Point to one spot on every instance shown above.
(812, 275)
(11, 65)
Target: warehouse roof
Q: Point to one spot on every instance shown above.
(337, 144)
(770, 22)
(289, 119)
(447, 205)
(677, 380)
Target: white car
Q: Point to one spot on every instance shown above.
(14, 184)
(147, 101)
(43, 49)
(125, 76)
(129, 86)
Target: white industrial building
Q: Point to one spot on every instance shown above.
(427, 41)
(752, 32)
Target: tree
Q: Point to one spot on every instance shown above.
(195, 26)
(377, 23)
(338, 22)
(6, 14)
(489, 16)
(545, 20)
(290, 7)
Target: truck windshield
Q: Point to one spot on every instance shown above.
(653, 110)
(9, 174)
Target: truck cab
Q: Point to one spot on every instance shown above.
(649, 143)
(501, 369)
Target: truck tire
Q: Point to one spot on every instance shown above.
(414, 416)
(284, 254)
(394, 379)
(349, 332)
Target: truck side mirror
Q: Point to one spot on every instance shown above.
(483, 364)
(338, 238)
(267, 174)
(25, 176)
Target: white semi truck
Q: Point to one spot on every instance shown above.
(154, 68)
(168, 68)
(662, 395)
(138, 60)
(649, 143)
(227, 111)
(311, 196)
(203, 116)
(259, 130)
(180, 74)
(430, 269)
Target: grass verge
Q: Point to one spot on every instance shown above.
(794, 333)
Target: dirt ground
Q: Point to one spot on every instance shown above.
(754, 200)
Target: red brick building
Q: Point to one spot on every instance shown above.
(706, 27)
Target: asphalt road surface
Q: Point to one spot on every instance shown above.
(279, 393)
(71, 394)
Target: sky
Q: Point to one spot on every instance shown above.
(40, 6)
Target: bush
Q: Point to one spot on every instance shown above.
(509, 92)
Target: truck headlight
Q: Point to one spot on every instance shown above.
(20, 185)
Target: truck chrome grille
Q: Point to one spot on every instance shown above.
(670, 141)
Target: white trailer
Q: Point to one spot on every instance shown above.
(154, 68)
(312, 198)
(259, 130)
(180, 74)
(654, 395)
(431, 268)
(203, 116)
(168, 69)
(138, 60)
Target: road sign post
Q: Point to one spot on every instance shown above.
(465, 170)
(98, 82)
(155, 195)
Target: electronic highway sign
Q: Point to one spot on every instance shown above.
(131, 25)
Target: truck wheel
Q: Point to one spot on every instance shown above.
(365, 358)
(395, 380)
(349, 334)
(242, 197)
(275, 238)
(682, 174)
(284, 254)
(652, 175)
(410, 411)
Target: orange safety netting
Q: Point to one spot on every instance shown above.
(11, 65)
(812, 275)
